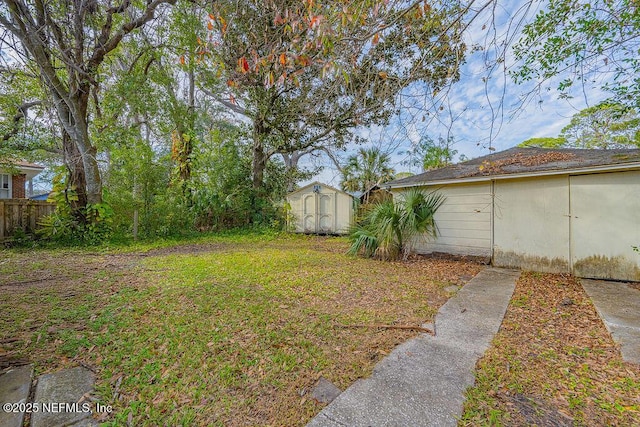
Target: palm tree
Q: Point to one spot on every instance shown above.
(388, 230)
(365, 169)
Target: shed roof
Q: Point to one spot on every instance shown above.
(530, 161)
(318, 183)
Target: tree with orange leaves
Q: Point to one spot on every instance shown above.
(307, 74)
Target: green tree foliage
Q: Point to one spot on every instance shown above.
(223, 196)
(369, 167)
(545, 142)
(307, 73)
(585, 41)
(144, 98)
(435, 154)
(66, 44)
(389, 229)
(23, 115)
(65, 225)
(603, 126)
(135, 134)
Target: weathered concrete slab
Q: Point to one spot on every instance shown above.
(472, 317)
(15, 385)
(618, 305)
(422, 382)
(62, 399)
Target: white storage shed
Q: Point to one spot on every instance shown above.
(551, 210)
(318, 208)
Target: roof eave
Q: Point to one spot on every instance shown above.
(29, 171)
(319, 183)
(471, 179)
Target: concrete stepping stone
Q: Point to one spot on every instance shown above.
(15, 385)
(325, 391)
(62, 398)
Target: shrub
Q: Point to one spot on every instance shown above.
(388, 229)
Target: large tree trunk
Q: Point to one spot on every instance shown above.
(43, 30)
(73, 161)
(182, 138)
(74, 120)
(259, 161)
(91, 169)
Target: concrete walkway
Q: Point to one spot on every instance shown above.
(421, 383)
(619, 307)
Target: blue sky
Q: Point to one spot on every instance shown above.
(471, 112)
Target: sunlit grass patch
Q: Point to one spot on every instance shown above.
(231, 330)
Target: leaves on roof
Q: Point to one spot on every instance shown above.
(488, 167)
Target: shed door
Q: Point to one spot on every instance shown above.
(325, 213)
(605, 224)
(464, 220)
(309, 221)
(319, 213)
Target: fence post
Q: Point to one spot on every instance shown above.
(23, 214)
(2, 236)
(33, 214)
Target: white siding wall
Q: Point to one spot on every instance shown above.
(344, 213)
(463, 221)
(531, 224)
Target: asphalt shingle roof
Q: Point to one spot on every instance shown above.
(523, 160)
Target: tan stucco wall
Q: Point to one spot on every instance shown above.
(605, 224)
(531, 224)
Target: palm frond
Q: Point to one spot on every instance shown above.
(388, 230)
(363, 240)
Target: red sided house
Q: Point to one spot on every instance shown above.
(15, 176)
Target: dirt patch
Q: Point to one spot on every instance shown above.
(51, 299)
(535, 412)
(482, 260)
(191, 249)
(634, 285)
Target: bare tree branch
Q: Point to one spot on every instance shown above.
(18, 117)
(230, 105)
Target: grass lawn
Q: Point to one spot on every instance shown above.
(553, 363)
(225, 331)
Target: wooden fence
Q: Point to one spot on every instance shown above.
(22, 214)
